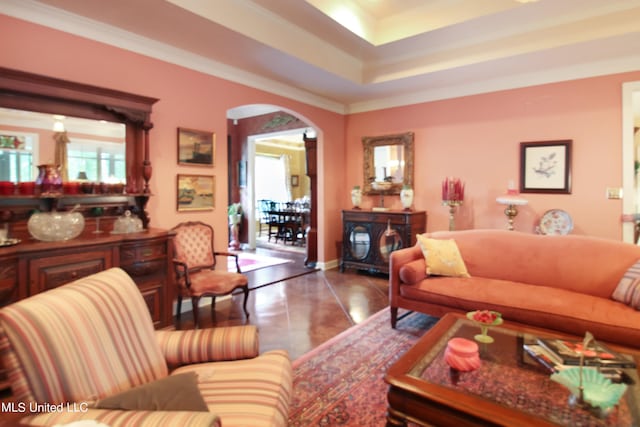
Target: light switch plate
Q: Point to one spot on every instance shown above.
(614, 193)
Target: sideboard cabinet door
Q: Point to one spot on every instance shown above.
(147, 262)
(9, 290)
(369, 237)
(48, 272)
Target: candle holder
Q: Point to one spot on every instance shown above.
(452, 210)
(452, 196)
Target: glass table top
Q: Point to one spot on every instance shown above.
(510, 377)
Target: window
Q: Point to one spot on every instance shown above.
(17, 156)
(271, 179)
(101, 161)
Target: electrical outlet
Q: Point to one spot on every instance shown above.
(614, 193)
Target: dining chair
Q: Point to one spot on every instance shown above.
(264, 206)
(198, 273)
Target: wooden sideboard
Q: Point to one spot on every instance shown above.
(31, 267)
(369, 237)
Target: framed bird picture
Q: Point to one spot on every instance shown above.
(545, 167)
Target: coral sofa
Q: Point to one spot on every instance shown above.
(564, 283)
(88, 350)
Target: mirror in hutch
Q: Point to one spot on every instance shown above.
(369, 237)
(30, 92)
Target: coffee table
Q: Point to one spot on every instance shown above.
(509, 389)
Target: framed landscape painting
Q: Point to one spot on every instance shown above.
(545, 167)
(195, 147)
(195, 192)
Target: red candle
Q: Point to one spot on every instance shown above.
(452, 190)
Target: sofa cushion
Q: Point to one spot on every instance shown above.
(252, 392)
(413, 272)
(173, 393)
(442, 257)
(628, 289)
(541, 306)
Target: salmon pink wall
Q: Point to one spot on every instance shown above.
(477, 138)
(186, 99)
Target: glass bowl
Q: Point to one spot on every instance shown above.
(55, 226)
(598, 390)
(483, 336)
(381, 185)
(127, 223)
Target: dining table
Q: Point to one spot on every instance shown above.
(290, 224)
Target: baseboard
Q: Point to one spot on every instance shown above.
(329, 265)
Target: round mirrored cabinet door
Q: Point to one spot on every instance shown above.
(389, 242)
(360, 242)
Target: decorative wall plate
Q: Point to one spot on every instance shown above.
(556, 221)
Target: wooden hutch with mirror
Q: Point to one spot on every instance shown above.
(29, 266)
(369, 236)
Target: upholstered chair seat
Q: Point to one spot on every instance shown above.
(212, 281)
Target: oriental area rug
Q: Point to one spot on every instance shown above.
(341, 382)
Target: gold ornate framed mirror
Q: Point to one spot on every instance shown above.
(388, 158)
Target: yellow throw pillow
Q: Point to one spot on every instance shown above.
(442, 257)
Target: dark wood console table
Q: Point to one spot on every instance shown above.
(369, 237)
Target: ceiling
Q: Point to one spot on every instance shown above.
(402, 51)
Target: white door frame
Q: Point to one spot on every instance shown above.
(628, 158)
(251, 189)
(251, 183)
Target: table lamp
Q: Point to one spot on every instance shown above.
(512, 200)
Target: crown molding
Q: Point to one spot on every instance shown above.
(513, 81)
(51, 17)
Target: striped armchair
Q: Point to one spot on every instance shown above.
(93, 338)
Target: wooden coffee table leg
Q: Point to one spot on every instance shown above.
(394, 419)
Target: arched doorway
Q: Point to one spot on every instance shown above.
(246, 125)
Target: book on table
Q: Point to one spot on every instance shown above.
(567, 352)
(541, 356)
(544, 358)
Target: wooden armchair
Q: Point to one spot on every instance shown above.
(198, 274)
(88, 351)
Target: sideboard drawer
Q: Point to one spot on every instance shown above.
(145, 268)
(50, 272)
(142, 252)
